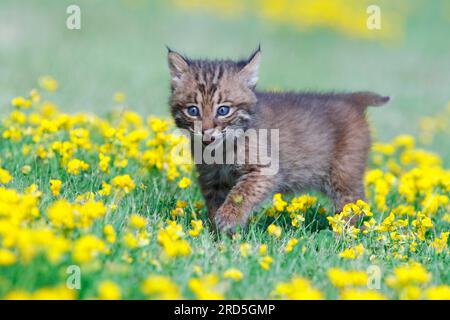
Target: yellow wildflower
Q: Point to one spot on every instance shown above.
(62, 214)
(342, 278)
(21, 102)
(104, 162)
(278, 203)
(5, 177)
(290, 245)
(262, 250)
(297, 289)
(440, 244)
(160, 287)
(137, 221)
(60, 292)
(358, 294)
(441, 292)
(352, 253)
(265, 262)
(234, 274)
(245, 249)
(197, 226)
(170, 238)
(105, 190)
(75, 166)
(205, 288)
(87, 248)
(177, 212)
(7, 257)
(408, 274)
(130, 240)
(274, 230)
(55, 186)
(108, 290)
(422, 224)
(48, 83)
(124, 182)
(110, 233)
(184, 183)
(405, 141)
(26, 169)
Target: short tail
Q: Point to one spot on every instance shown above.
(366, 98)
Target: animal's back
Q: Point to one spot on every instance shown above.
(313, 129)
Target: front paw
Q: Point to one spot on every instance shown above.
(227, 219)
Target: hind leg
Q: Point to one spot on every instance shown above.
(346, 194)
(347, 170)
(347, 187)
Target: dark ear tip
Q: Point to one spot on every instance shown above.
(168, 49)
(253, 55)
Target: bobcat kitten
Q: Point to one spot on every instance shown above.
(323, 144)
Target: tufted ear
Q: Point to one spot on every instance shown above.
(249, 73)
(177, 65)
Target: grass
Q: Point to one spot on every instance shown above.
(121, 48)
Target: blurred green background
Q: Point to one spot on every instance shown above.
(121, 47)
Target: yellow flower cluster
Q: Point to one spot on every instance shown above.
(160, 287)
(409, 194)
(197, 226)
(342, 223)
(342, 279)
(206, 287)
(123, 182)
(65, 215)
(32, 225)
(345, 16)
(410, 280)
(297, 289)
(274, 230)
(351, 285)
(108, 290)
(296, 210)
(352, 253)
(290, 245)
(234, 274)
(171, 239)
(50, 293)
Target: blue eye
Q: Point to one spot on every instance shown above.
(193, 111)
(223, 110)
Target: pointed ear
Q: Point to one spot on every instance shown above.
(249, 73)
(177, 65)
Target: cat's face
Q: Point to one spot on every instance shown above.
(209, 97)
